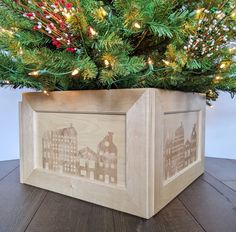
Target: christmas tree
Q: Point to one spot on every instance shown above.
(88, 44)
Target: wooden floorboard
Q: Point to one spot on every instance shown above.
(209, 204)
(76, 215)
(210, 208)
(231, 184)
(18, 203)
(223, 169)
(174, 217)
(228, 193)
(6, 167)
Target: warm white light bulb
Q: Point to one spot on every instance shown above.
(233, 14)
(75, 72)
(223, 65)
(107, 63)
(217, 77)
(149, 61)
(20, 51)
(137, 25)
(104, 13)
(34, 73)
(199, 11)
(92, 31)
(166, 62)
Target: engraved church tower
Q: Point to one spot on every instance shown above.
(107, 152)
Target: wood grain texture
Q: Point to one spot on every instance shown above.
(181, 107)
(136, 118)
(174, 217)
(84, 101)
(6, 167)
(210, 208)
(61, 214)
(18, 203)
(76, 215)
(91, 146)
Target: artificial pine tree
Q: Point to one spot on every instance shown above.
(89, 44)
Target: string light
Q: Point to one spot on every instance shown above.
(150, 61)
(107, 63)
(233, 14)
(223, 65)
(166, 62)
(2, 30)
(92, 31)
(217, 78)
(137, 25)
(232, 49)
(75, 72)
(46, 92)
(34, 73)
(67, 15)
(103, 12)
(20, 51)
(199, 11)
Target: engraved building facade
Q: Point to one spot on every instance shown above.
(178, 153)
(61, 154)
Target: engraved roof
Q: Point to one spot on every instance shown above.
(69, 131)
(88, 153)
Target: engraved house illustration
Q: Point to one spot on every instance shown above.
(61, 154)
(178, 153)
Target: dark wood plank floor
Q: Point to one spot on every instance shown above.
(209, 204)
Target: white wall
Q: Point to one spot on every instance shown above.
(220, 126)
(9, 130)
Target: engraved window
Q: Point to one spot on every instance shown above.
(101, 164)
(83, 172)
(106, 165)
(82, 162)
(91, 164)
(112, 166)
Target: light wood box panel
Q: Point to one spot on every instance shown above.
(132, 150)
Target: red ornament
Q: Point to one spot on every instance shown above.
(56, 43)
(69, 5)
(35, 28)
(40, 4)
(73, 50)
(62, 2)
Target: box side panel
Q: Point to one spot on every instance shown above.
(180, 155)
(27, 133)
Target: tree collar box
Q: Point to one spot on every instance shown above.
(132, 150)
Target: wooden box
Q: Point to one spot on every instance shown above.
(132, 150)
